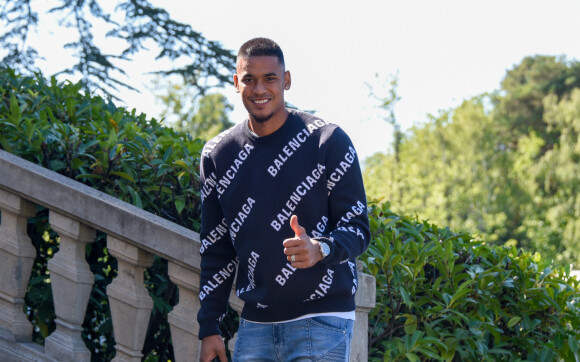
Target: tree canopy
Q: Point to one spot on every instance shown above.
(136, 23)
(504, 165)
(201, 116)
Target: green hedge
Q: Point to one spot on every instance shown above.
(116, 151)
(443, 296)
(440, 295)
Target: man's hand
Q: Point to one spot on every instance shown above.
(305, 250)
(212, 347)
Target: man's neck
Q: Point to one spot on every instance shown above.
(270, 126)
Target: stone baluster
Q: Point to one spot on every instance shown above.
(129, 300)
(365, 301)
(237, 304)
(72, 282)
(183, 318)
(17, 256)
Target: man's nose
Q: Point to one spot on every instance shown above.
(260, 87)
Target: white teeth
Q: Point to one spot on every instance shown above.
(261, 101)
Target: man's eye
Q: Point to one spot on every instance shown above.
(247, 80)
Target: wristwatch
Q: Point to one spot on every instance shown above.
(324, 249)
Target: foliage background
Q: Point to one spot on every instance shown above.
(441, 295)
(504, 166)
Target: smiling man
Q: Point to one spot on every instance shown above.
(283, 200)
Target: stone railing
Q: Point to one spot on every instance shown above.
(134, 236)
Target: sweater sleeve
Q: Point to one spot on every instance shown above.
(218, 257)
(349, 235)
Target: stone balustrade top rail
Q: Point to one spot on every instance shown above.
(99, 210)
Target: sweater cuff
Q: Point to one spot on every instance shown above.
(209, 330)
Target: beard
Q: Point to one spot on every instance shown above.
(262, 119)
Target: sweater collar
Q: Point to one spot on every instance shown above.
(280, 132)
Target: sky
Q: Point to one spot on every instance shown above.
(442, 51)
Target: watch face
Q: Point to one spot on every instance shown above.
(325, 248)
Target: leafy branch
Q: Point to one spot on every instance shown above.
(204, 63)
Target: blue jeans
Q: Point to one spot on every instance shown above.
(312, 339)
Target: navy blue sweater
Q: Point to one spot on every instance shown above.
(250, 187)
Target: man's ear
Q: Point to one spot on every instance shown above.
(236, 83)
(287, 80)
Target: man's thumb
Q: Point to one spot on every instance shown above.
(298, 230)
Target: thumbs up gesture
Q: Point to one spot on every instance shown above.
(302, 251)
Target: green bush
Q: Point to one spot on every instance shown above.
(443, 296)
(123, 154)
(86, 138)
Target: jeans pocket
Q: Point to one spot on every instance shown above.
(330, 338)
(333, 323)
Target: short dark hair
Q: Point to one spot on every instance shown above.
(260, 47)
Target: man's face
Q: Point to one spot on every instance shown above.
(261, 81)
